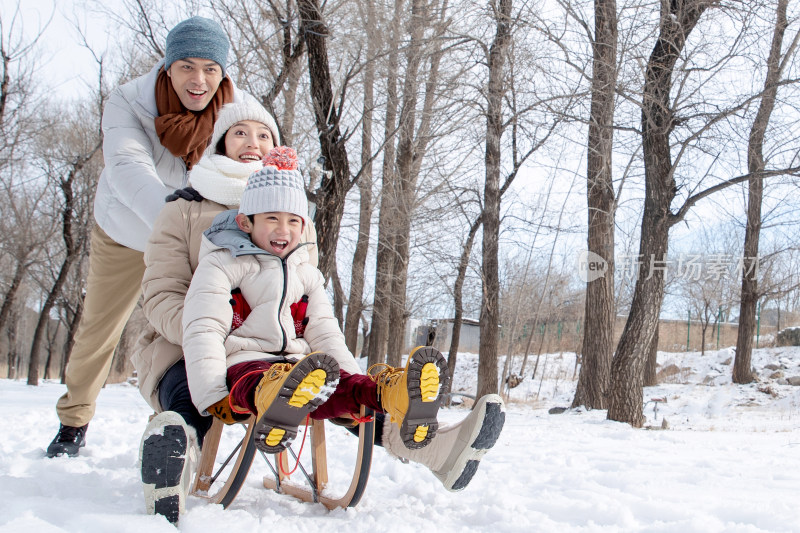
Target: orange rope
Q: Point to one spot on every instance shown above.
(235, 408)
(299, 454)
(362, 420)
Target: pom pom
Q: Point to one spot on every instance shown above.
(282, 157)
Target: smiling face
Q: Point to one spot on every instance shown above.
(248, 141)
(278, 233)
(195, 80)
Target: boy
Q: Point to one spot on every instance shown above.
(266, 366)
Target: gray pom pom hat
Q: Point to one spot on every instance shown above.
(278, 187)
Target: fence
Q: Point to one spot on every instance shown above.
(567, 335)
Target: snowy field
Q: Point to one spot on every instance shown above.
(728, 462)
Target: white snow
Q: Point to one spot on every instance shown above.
(729, 462)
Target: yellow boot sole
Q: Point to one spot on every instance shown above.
(426, 373)
(305, 387)
(309, 388)
(429, 382)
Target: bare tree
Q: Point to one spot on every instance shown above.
(677, 20)
(412, 143)
(660, 118)
(708, 290)
(355, 303)
(597, 349)
(13, 351)
(379, 330)
(22, 236)
(776, 62)
(458, 300)
(490, 308)
(336, 181)
(65, 167)
(408, 123)
(22, 231)
(267, 48)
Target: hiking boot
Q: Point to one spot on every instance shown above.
(168, 455)
(287, 394)
(69, 440)
(410, 395)
(455, 454)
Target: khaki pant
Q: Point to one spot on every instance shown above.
(112, 289)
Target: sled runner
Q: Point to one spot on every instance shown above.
(228, 454)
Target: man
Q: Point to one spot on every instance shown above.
(155, 128)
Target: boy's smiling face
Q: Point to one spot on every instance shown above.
(278, 232)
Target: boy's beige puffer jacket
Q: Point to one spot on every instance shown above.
(270, 285)
(171, 257)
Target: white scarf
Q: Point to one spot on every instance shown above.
(222, 179)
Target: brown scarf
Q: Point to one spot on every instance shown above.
(186, 133)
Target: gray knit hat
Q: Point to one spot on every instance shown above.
(249, 109)
(197, 37)
(278, 187)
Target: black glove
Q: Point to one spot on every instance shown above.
(188, 194)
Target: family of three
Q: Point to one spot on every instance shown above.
(236, 225)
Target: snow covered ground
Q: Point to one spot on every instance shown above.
(729, 462)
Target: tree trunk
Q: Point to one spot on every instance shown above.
(355, 303)
(678, 18)
(51, 337)
(120, 357)
(458, 303)
(411, 149)
(703, 339)
(397, 311)
(11, 293)
(289, 92)
(44, 317)
(742, 372)
(71, 255)
(73, 329)
(379, 331)
(338, 296)
(13, 351)
(490, 306)
(405, 189)
(597, 348)
(330, 196)
(650, 378)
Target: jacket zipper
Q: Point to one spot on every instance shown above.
(285, 270)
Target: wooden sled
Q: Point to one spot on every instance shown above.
(220, 474)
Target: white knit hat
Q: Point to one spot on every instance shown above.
(249, 109)
(278, 187)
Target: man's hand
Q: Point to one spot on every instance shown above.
(187, 194)
(222, 410)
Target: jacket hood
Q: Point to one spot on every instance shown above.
(225, 233)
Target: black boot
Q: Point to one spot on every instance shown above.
(69, 440)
